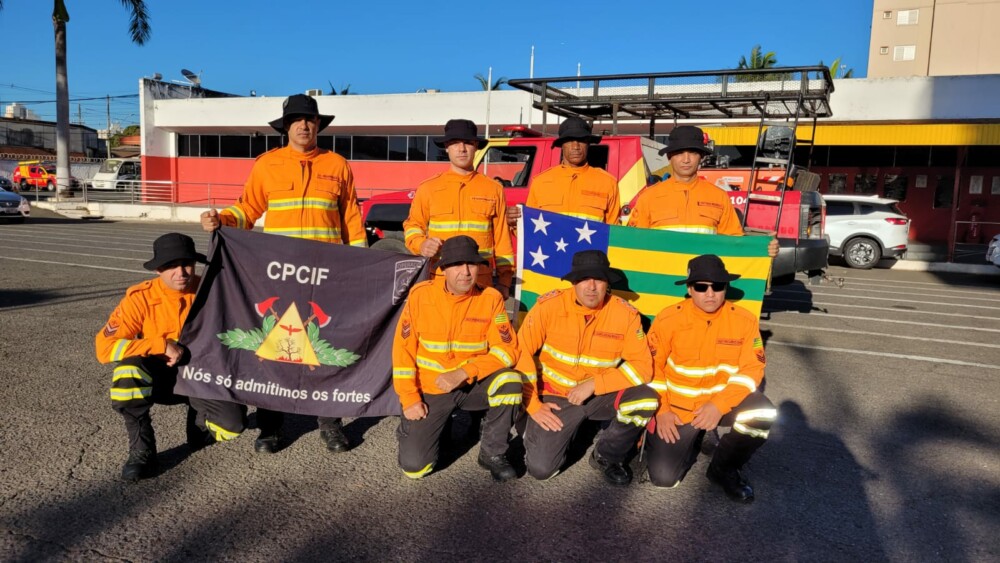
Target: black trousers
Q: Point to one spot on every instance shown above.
(139, 382)
(750, 421)
(270, 422)
(628, 410)
(499, 395)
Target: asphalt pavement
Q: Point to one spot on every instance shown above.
(887, 446)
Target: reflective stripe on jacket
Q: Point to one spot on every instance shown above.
(700, 357)
(574, 343)
(451, 204)
(306, 195)
(692, 207)
(586, 192)
(148, 316)
(438, 332)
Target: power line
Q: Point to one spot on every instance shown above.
(26, 102)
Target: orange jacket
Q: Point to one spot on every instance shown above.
(451, 204)
(691, 207)
(700, 357)
(306, 195)
(438, 332)
(586, 192)
(148, 316)
(575, 343)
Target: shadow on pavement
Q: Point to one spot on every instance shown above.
(790, 297)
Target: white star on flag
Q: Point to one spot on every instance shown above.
(561, 245)
(540, 224)
(585, 233)
(538, 257)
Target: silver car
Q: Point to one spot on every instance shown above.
(13, 207)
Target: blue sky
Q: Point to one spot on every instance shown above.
(279, 48)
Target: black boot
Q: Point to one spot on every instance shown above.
(614, 473)
(141, 464)
(267, 443)
(732, 453)
(732, 481)
(500, 469)
(331, 431)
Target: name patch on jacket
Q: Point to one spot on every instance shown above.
(475, 320)
(328, 177)
(483, 198)
(729, 342)
(610, 335)
(591, 192)
(709, 204)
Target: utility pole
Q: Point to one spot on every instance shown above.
(108, 142)
(79, 114)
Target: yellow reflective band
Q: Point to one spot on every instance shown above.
(743, 380)
(512, 399)
(752, 432)
(241, 218)
(289, 204)
(430, 365)
(454, 345)
(131, 372)
(505, 260)
(410, 233)
(119, 350)
(531, 377)
(694, 391)
(403, 373)
(631, 406)
(702, 371)
(220, 433)
(557, 377)
(630, 373)
(503, 379)
(421, 473)
(584, 216)
(317, 233)
(360, 243)
(639, 421)
(697, 229)
(757, 414)
(129, 394)
(456, 226)
(573, 361)
(662, 387)
(502, 356)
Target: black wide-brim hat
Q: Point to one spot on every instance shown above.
(686, 137)
(460, 130)
(592, 264)
(170, 247)
(707, 268)
(300, 104)
(575, 128)
(460, 250)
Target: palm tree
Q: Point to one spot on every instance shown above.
(345, 91)
(485, 83)
(844, 71)
(759, 61)
(139, 32)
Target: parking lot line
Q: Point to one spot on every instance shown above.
(75, 265)
(881, 320)
(824, 304)
(851, 351)
(880, 334)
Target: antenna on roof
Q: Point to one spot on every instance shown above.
(191, 77)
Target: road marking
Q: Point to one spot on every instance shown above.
(963, 315)
(90, 255)
(841, 296)
(884, 354)
(804, 291)
(80, 246)
(882, 282)
(117, 241)
(876, 319)
(853, 332)
(77, 265)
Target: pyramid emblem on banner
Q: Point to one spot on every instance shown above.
(288, 341)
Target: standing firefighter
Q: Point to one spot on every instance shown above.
(709, 361)
(307, 192)
(141, 338)
(461, 201)
(455, 348)
(593, 364)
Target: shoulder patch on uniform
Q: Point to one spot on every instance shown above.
(624, 303)
(262, 155)
(545, 297)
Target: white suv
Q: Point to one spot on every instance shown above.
(864, 229)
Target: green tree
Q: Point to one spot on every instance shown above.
(485, 83)
(138, 31)
(116, 139)
(836, 68)
(759, 60)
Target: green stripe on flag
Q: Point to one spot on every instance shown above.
(645, 283)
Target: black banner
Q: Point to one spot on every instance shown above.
(297, 326)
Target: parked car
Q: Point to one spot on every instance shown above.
(865, 229)
(32, 174)
(120, 174)
(993, 251)
(6, 184)
(13, 207)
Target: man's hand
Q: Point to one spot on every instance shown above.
(706, 417)
(772, 247)
(450, 380)
(173, 352)
(210, 220)
(430, 247)
(513, 214)
(666, 427)
(581, 392)
(416, 411)
(548, 419)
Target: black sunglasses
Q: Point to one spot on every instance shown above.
(702, 287)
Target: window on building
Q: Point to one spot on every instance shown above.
(907, 17)
(325, 142)
(883, 50)
(234, 146)
(887, 15)
(275, 141)
(865, 184)
(342, 146)
(912, 156)
(436, 153)
(188, 145)
(836, 184)
(258, 145)
(371, 147)
(397, 147)
(209, 146)
(416, 148)
(944, 192)
(904, 52)
(895, 186)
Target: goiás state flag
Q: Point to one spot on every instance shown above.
(651, 260)
(296, 325)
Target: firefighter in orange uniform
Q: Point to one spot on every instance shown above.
(684, 202)
(709, 361)
(307, 192)
(593, 363)
(455, 348)
(141, 338)
(574, 187)
(461, 201)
